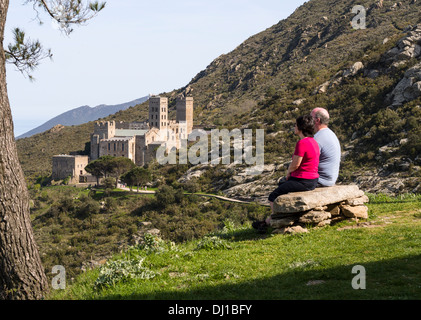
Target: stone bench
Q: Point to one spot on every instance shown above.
(293, 212)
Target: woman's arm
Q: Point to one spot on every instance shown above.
(294, 165)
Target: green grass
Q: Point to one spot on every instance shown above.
(236, 263)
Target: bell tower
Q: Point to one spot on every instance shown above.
(158, 112)
(185, 112)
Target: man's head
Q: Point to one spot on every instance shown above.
(321, 118)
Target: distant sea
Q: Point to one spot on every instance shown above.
(22, 125)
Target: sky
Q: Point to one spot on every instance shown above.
(133, 48)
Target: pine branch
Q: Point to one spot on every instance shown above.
(69, 12)
(25, 54)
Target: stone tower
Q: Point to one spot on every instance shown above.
(158, 112)
(102, 130)
(185, 113)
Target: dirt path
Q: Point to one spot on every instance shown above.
(198, 194)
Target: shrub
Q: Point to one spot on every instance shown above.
(152, 243)
(108, 183)
(165, 195)
(110, 204)
(87, 207)
(66, 204)
(191, 186)
(212, 243)
(121, 270)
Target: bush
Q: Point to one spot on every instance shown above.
(152, 243)
(165, 195)
(66, 204)
(212, 243)
(108, 183)
(87, 208)
(191, 186)
(110, 204)
(122, 270)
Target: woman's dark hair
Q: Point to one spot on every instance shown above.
(306, 125)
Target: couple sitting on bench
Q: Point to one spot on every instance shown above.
(315, 162)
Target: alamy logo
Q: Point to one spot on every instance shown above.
(59, 281)
(359, 21)
(358, 282)
(220, 148)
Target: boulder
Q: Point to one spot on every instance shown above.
(334, 209)
(235, 180)
(324, 223)
(283, 222)
(356, 67)
(298, 102)
(193, 172)
(318, 208)
(322, 88)
(291, 230)
(357, 201)
(355, 211)
(304, 201)
(315, 217)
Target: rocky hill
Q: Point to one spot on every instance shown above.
(369, 80)
(312, 45)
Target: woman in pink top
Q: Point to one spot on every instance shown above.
(302, 174)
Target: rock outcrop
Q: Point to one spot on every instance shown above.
(294, 212)
(409, 88)
(406, 48)
(193, 172)
(56, 128)
(339, 77)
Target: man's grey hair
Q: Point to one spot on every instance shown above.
(322, 114)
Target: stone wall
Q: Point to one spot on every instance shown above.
(65, 166)
(118, 147)
(295, 212)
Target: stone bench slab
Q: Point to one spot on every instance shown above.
(303, 201)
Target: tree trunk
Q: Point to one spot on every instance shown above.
(21, 273)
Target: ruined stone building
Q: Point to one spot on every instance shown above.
(69, 166)
(139, 141)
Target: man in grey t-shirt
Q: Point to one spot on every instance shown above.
(330, 148)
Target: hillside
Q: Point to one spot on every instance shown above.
(235, 263)
(309, 47)
(368, 79)
(204, 248)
